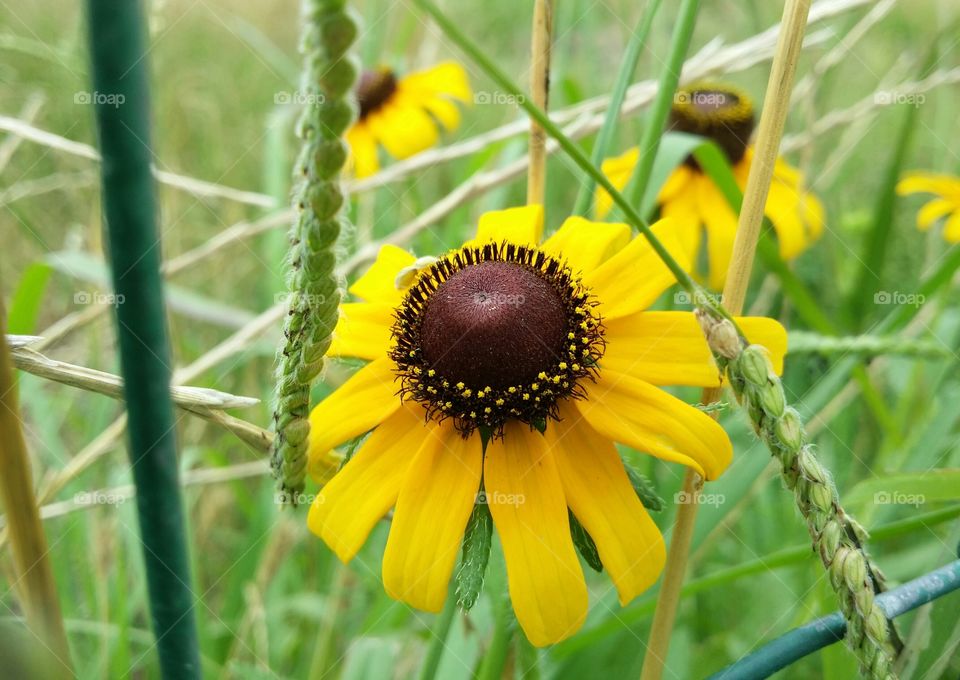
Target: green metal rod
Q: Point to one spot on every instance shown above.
(120, 98)
(825, 631)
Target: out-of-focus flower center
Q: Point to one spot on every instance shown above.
(374, 89)
(491, 333)
(721, 113)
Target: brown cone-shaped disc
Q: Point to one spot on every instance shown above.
(721, 114)
(374, 89)
(494, 324)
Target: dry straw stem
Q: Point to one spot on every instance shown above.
(38, 591)
(540, 93)
(772, 120)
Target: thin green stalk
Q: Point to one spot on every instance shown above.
(491, 668)
(118, 52)
(660, 109)
(601, 148)
(438, 638)
(328, 78)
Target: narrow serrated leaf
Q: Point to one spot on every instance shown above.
(585, 545)
(644, 489)
(476, 553)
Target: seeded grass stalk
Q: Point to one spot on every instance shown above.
(601, 147)
(35, 581)
(772, 120)
(541, 36)
(328, 77)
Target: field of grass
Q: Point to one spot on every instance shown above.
(271, 600)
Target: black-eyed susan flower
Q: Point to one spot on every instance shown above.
(547, 353)
(946, 205)
(724, 115)
(403, 115)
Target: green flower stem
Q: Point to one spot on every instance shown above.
(837, 538)
(495, 658)
(571, 149)
(601, 148)
(118, 50)
(660, 109)
(438, 638)
(327, 88)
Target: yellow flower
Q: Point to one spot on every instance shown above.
(403, 114)
(947, 188)
(548, 350)
(724, 115)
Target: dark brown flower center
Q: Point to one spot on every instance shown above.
(717, 112)
(496, 332)
(495, 323)
(374, 89)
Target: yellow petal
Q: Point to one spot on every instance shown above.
(931, 183)
(517, 225)
(951, 230)
(618, 171)
(586, 245)
(685, 209)
(721, 226)
(378, 283)
(435, 502)
(357, 406)
(347, 509)
(668, 348)
(363, 150)
(444, 110)
(677, 186)
(363, 331)
(933, 211)
(447, 78)
(404, 128)
(633, 278)
(783, 208)
(529, 510)
(812, 215)
(599, 493)
(646, 418)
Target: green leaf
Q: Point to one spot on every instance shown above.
(644, 489)
(476, 553)
(585, 545)
(25, 305)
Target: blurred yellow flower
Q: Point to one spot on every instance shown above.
(724, 115)
(403, 114)
(545, 351)
(947, 203)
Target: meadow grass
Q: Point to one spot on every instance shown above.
(271, 599)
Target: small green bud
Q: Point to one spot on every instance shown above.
(754, 365)
(337, 78)
(855, 570)
(830, 539)
(296, 432)
(821, 497)
(335, 117)
(324, 199)
(327, 158)
(338, 30)
(771, 399)
(789, 429)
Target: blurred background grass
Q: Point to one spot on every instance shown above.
(271, 600)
